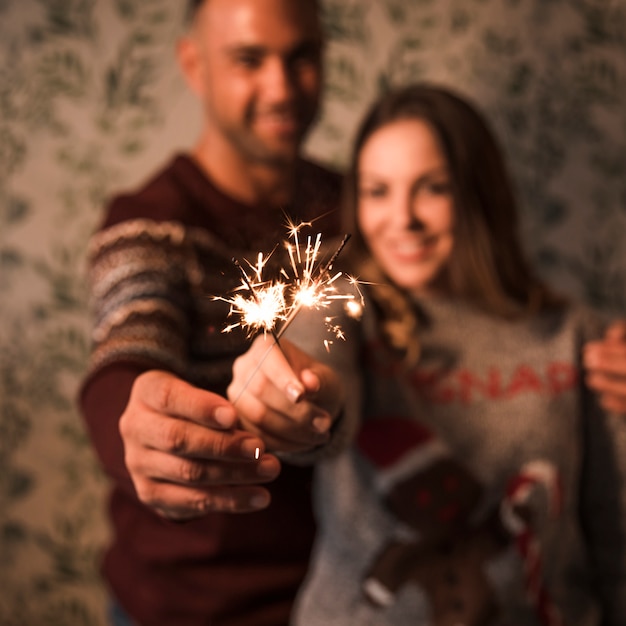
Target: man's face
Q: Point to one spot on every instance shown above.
(259, 74)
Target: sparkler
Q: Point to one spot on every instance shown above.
(271, 305)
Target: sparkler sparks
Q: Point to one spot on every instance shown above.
(270, 305)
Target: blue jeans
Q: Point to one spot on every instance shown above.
(117, 615)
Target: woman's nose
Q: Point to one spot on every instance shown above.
(406, 212)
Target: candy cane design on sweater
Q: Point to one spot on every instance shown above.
(517, 519)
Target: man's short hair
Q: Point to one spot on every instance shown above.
(194, 5)
(192, 8)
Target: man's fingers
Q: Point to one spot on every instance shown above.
(182, 438)
(606, 357)
(606, 384)
(190, 472)
(605, 365)
(613, 403)
(166, 394)
(178, 503)
(182, 488)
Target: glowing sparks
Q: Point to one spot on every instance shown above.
(262, 311)
(269, 305)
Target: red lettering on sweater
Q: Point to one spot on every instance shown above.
(524, 379)
(470, 384)
(561, 377)
(463, 386)
(435, 385)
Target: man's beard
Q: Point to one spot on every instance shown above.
(261, 151)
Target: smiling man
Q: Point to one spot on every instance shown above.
(154, 396)
(257, 73)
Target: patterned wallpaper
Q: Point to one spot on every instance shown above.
(91, 102)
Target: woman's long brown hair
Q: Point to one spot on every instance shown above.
(488, 267)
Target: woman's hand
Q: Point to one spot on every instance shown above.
(285, 396)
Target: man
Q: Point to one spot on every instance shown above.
(160, 361)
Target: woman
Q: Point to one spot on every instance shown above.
(485, 484)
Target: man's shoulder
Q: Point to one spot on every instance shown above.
(321, 176)
(163, 197)
(320, 195)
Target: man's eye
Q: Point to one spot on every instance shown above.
(305, 59)
(309, 55)
(250, 61)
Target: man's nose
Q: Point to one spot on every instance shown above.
(278, 79)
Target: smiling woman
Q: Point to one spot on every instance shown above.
(406, 207)
(429, 198)
(484, 474)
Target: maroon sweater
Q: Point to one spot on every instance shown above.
(159, 256)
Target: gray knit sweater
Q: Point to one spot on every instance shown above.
(485, 485)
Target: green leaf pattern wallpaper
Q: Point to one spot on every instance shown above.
(91, 102)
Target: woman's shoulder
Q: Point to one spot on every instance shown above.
(577, 317)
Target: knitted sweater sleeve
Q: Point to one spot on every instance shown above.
(140, 272)
(139, 276)
(603, 504)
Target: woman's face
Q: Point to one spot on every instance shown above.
(405, 210)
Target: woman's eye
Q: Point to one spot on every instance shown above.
(438, 188)
(372, 192)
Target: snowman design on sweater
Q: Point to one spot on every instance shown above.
(447, 536)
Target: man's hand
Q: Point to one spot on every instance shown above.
(605, 364)
(285, 396)
(184, 454)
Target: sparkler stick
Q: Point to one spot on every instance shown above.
(256, 369)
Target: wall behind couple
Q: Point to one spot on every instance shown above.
(91, 101)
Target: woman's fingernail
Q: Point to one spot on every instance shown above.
(294, 392)
(322, 424)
